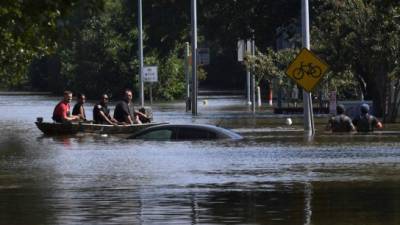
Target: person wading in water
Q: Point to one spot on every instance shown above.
(340, 122)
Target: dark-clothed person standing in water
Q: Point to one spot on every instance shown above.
(366, 122)
(340, 122)
(78, 109)
(101, 113)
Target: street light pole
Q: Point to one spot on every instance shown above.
(140, 24)
(253, 77)
(194, 57)
(187, 75)
(307, 101)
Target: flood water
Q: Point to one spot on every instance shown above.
(276, 175)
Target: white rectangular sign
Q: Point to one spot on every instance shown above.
(150, 74)
(240, 50)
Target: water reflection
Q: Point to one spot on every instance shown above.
(23, 190)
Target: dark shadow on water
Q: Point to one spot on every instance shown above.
(23, 190)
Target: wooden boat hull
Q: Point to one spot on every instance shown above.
(74, 128)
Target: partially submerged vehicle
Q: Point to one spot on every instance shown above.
(176, 132)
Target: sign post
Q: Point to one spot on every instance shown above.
(245, 49)
(253, 79)
(194, 56)
(307, 70)
(140, 40)
(150, 74)
(187, 74)
(248, 74)
(307, 101)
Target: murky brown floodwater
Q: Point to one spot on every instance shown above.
(276, 175)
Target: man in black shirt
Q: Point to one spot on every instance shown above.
(101, 113)
(125, 112)
(340, 122)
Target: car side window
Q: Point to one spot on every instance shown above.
(193, 133)
(165, 134)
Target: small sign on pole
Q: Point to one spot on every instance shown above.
(240, 50)
(248, 46)
(203, 56)
(150, 74)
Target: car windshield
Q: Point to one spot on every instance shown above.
(164, 134)
(186, 133)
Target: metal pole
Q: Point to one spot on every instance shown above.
(187, 71)
(307, 101)
(194, 57)
(141, 85)
(253, 79)
(248, 86)
(151, 93)
(187, 76)
(258, 96)
(248, 75)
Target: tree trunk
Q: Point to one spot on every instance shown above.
(394, 102)
(376, 90)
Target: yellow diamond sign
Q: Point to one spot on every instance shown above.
(307, 69)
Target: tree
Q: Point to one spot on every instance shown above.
(101, 56)
(222, 23)
(363, 37)
(271, 64)
(28, 29)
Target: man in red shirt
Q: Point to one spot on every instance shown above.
(62, 110)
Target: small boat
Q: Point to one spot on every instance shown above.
(53, 128)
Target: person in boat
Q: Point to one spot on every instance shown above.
(340, 122)
(101, 113)
(78, 109)
(125, 112)
(62, 111)
(366, 122)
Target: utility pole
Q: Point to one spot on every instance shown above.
(187, 75)
(307, 101)
(248, 74)
(140, 25)
(194, 57)
(253, 78)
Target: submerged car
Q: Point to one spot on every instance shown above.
(172, 132)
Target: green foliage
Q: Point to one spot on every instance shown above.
(90, 45)
(171, 74)
(166, 23)
(272, 65)
(28, 29)
(101, 56)
(362, 37)
(171, 83)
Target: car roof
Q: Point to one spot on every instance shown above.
(219, 130)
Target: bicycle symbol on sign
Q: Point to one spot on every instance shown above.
(309, 69)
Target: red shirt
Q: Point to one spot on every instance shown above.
(61, 111)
